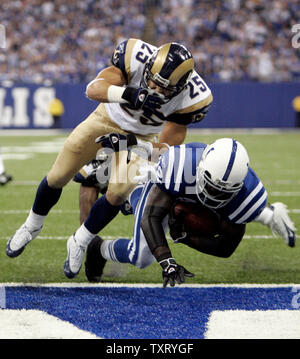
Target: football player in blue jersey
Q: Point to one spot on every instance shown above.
(219, 177)
(148, 96)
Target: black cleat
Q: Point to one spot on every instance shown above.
(94, 262)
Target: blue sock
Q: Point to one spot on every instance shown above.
(118, 250)
(46, 197)
(101, 213)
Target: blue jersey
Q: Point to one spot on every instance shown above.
(176, 172)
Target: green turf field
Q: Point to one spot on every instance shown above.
(260, 258)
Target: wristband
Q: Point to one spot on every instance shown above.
(114, 94)
(164, 256)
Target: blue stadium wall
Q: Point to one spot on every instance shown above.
(236, 105)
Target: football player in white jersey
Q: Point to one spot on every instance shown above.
(4, 177)
(216, 175)
(146, 93)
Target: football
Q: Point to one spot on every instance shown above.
(198, 219)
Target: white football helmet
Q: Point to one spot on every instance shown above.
(221, 172)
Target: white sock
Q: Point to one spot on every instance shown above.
(83, 236)
(2, 168)
(34, 221)
(265, 217)
(105, 249)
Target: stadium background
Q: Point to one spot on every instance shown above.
(243, 49)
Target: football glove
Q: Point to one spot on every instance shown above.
(117, 141)
(173, 272)
(140, 97)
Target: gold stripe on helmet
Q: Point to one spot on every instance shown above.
(180, 71)
(160, 58)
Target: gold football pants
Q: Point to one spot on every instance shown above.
(80, 148)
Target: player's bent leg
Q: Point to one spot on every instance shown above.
(48, 193)
(120, 250)
(105, 209)
(78, 149)
(101, 213)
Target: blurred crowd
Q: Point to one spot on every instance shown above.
(64, 40)
(235, 40)
(71, 41)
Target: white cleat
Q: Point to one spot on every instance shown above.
(281, 224)
(17, 243)
(74, 259)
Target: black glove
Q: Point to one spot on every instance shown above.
(173, 272)
(112, 141)
(176, 226)
(140, 97)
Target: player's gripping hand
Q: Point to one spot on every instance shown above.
(173, 273)
(117, 141)
(140, 97)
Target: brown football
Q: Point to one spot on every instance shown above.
(198, 220)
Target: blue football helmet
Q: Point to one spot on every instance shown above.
(170, 67)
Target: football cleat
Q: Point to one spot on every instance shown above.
(74, 259)
(281, 224)
(17, 243)
(4, 178)
(94, 263)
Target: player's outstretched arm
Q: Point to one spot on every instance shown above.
(108, 86)
(97, 89)
(157, 208)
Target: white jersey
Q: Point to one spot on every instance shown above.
(189, 106)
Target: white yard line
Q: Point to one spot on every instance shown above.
(64, 238)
